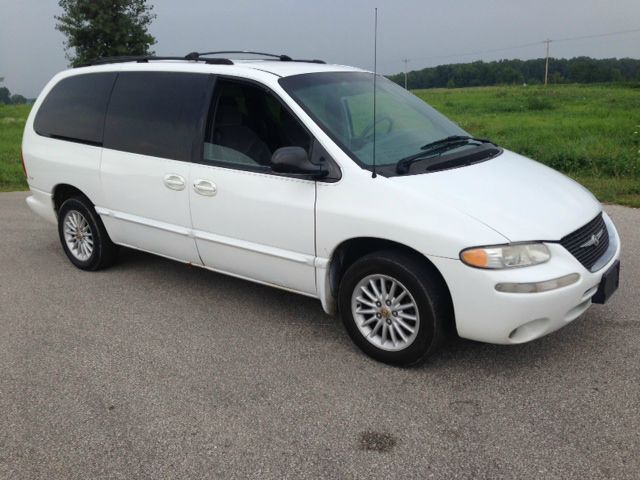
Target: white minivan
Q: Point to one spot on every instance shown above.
(278, 171)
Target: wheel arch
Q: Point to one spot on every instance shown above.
(64, 191)
(347, 252)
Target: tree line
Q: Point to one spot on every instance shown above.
(8, 99)
(509, 72)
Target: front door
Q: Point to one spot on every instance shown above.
(248, 221)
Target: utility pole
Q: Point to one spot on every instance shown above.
(406, 61)
(546, 65)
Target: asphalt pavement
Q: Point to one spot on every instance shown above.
(154, 369)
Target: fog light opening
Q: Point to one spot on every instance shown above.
(529, 331)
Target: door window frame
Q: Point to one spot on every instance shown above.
(209, 111)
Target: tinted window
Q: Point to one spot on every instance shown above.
(74, 109)
(156, 113)
(247, 124)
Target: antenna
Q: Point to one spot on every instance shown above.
(406, 61)
(375, 75)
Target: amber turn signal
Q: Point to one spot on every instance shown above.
(476, 257)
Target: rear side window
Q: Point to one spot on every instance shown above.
(75, 108)
(156, 113)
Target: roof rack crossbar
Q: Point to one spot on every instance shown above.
(281, 57)
(284, 58)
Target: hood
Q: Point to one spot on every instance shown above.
(521, 199)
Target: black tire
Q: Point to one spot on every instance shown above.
(104, 251)
(422, 282)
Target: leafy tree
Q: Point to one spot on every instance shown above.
(5, 95)
(509, 75)
(17, 99)
(103, 28)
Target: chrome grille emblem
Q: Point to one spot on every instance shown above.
(594, 241)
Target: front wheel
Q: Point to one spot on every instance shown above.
(394, 307)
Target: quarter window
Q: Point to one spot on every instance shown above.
(156, 113)
(75, 108)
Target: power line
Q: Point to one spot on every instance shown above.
(479, 52)
(516, 47)
(611, 34)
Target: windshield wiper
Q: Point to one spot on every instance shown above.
(452, 139)
(433, 148)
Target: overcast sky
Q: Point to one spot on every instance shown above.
(338, 31)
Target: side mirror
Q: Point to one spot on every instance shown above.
(295, 161)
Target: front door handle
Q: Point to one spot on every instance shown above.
(205, 187)
(174, 181)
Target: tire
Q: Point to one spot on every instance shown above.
(395, 343)
(83, 236)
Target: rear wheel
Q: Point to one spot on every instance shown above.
(394, 307)
(83, 236)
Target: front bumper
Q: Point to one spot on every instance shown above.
(487, 315)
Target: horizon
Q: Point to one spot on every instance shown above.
(343, 34)
(551, 58)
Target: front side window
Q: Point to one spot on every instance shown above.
(156, 113)
(342, 104)
(75, 107)
(247, 124)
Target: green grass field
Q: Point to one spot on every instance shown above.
(12, 118)
(589, 132)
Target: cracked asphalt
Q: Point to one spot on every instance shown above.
(154, 369)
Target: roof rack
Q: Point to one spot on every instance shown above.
(192, 57)
(282, 58)
(148, 58)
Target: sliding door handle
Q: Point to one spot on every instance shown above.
(174, 181)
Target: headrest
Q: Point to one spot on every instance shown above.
(228, 112)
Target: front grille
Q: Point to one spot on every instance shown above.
(589, 242)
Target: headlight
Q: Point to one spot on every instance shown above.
(506, 256)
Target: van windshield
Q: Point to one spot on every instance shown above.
(342, 104)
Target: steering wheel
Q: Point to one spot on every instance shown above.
(368, 130)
